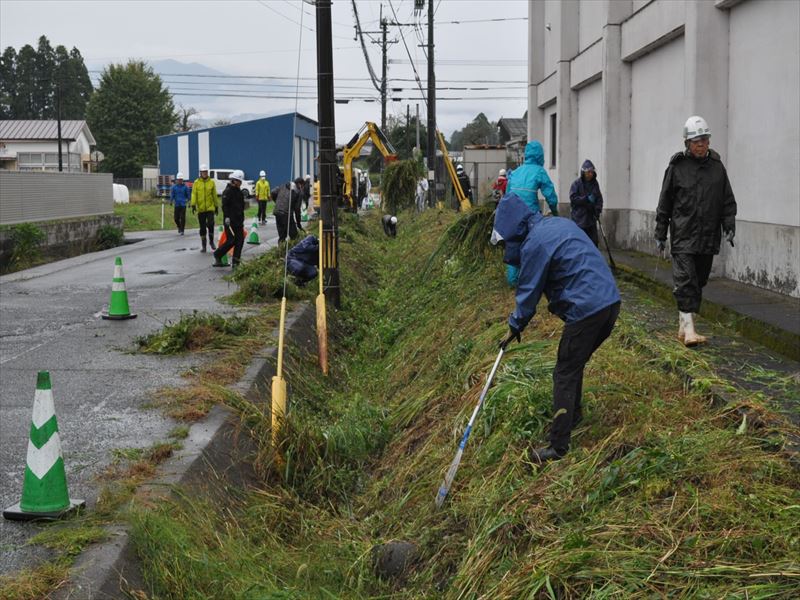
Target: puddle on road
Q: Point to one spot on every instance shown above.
(159, 272)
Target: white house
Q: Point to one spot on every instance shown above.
(33, 146)
(615, 80)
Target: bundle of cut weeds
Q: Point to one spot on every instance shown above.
(195, 332)
(467, 238)
(261, 279)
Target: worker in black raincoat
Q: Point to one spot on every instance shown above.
(697, 206)
(586, 200)
(233, 213)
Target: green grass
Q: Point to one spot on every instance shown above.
(146, 216)
(662, 495)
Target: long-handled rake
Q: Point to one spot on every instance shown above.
(608, 248)
(451, 472)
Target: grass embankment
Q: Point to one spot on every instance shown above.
(662, 495)
(145, 215)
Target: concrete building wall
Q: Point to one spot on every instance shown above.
(735, 62)
(656, 120)
(590, 112)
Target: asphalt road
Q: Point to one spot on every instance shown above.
(50, 320)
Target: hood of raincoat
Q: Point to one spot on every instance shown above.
(534, 153)
(513, 222)
(588, 166)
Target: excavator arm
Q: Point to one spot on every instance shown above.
(369, 131)
(463, 201)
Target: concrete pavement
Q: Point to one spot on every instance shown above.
(50, 320)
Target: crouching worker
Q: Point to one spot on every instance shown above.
(389, 225)
(555, 257)
(303, 260)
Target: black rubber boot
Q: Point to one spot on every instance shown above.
(543, 455)
(211, 241)
(203, 249)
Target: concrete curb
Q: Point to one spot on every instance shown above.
(216, 454)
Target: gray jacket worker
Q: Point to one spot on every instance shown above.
(697, 205)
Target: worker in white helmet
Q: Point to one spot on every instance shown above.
(233, 217)
(499, 185)
(262, 196)
(179, 196)
(205, 203)
(389, 223)
(697, 206)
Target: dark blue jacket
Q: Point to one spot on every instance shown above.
(303, 258)
(556, 259)
(180, 194)
(585, 212)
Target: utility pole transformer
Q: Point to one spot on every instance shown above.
(329, 244)
(431, 113)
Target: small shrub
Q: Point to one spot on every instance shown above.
(27, 239)
(109, 236)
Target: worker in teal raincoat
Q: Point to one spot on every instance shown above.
(525, 181)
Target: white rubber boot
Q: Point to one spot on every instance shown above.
(681, 333)
(691, 338)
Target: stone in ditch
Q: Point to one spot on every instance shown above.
(391, 559)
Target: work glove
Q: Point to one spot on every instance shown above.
(729, 236)
(591, 198)
(194, 209)
(514, 334)
(661, 245)
(227, 222)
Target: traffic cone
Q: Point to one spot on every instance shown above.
(118, 308)
(253, 237)
(44, 488)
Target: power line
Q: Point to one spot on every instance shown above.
(373, 77)
(280, 14)
(413, 66)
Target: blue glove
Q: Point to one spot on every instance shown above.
(591, 198)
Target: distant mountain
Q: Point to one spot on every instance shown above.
(173, 67)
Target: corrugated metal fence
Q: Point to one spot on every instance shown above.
(31, 196)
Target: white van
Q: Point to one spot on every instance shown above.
(220, 177)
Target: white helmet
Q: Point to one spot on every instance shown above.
(393, 220)
(262, 174)
(307, 177)
(203, 168)
(502, 173)
(179, 176)
(459, 168)
(695, 127)
(237, 174)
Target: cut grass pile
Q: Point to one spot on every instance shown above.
(662, 495)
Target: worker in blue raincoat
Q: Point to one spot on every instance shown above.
(525, 181)
(303, 260)
(557, 259)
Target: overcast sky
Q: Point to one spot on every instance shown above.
(252, 38)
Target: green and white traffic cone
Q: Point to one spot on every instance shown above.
(118, 308)
(44, 488)
(253, 237)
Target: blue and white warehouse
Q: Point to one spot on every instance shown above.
(252, 146)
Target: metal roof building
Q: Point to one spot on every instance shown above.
(250, 146)
(32, 145)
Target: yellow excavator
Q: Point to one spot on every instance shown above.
(463, 202)
(351, 151)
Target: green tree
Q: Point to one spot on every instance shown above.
(479, 131)
(29, 82)
(129, 108)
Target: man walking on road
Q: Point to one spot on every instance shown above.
(205, 203)
(697, 205)
(555, 258)
(586, 201)
(179, 195)
(233, 213)
(262, 196)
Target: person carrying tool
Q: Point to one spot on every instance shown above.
(499, 185)
(525, 181)
(303, 260)
(205, 203)
(464, 182)
(557, 259)
(389, 223)
(697, 205)
(287, 210)
(179, 195)
(233, 213)
(262, 196)
(586, 201)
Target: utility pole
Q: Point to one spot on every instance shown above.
(384, 27)
(408, 126)
(329, 245)
(58, 121)
(418, 146)
(431, 113)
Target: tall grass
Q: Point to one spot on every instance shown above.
(661, 495)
